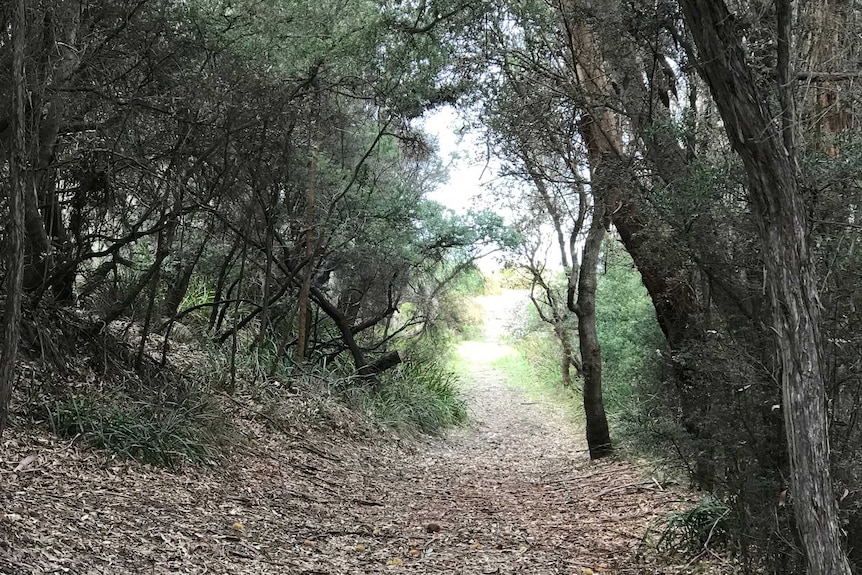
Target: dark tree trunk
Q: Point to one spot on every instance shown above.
(386, 361)
(222, 277)
(602, 137)
(777, 204)
(180, 286)
(344, 326)
(673, 302)
(19, 181)
(598, 436)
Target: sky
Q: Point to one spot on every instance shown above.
(467, 172)
(470, 169)
(470, 172)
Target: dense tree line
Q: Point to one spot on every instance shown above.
(247, 170)
(719, 143)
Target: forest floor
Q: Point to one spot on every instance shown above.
(511, 492)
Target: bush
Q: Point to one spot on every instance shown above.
(630, 337)
(690, 532)
(543, 365)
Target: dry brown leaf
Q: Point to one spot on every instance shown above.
(517, 479)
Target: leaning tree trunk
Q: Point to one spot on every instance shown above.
(19, 179)
(777, 204)
(598, 436)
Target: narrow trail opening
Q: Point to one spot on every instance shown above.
(515, 491)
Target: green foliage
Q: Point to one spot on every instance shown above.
(167, 435)
(200, 292)
(420, 395)
(362, 46)
(629, 336)
(460, 318)
(690, 532)
(471, 282)
(511, 277)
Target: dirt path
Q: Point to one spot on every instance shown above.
(513, 492)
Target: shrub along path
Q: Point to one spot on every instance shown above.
(513, 492)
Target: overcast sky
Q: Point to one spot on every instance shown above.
(470, 170)
(467, 171)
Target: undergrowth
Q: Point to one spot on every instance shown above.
(171, 415)
(168, 435)
(423, 395)
(693, 531)
(522, 370)
(89, 383)
(631, 347)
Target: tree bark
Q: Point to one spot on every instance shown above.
(303, 335)
(180, 286)
(777, 204)
(600, 132)
(386, 361)
(598, 435)
(19, 180)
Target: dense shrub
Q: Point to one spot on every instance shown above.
(631, 341)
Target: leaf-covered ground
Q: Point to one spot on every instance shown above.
(513, 492)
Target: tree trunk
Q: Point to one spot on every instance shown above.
(180, 286)
(567, 356)
(600, 130)
(598, 436)
(386, 361)
(303, 330)
(219, 288)
(777, 205)
(19, 180)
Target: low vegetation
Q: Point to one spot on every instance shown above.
(418, 396)
(168, 435)
(631, 351)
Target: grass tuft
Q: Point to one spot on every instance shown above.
(168, 435)
(417, 394)
(692, 531)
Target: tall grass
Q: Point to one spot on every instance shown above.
(169, 435)
(529, 368)
(423, 395)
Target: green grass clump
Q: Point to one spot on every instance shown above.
(690, 532)
(417, 394)
(167, 435)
